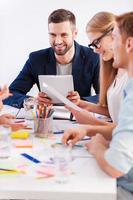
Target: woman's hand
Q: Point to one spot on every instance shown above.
(82, 117)
(4, 93)
(8, 120)
(5, 119)
(17, 126)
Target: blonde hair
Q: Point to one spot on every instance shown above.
(102, 22)
(107, 76)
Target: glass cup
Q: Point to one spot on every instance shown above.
(29, 106)
(5, 142)
(43, 127)
(62, 159)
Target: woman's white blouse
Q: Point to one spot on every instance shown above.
(115, 95)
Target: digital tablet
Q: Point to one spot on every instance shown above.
(54, 93)
(62, 83)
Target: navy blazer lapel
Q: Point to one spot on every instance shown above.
(51, 64)
(77, 64)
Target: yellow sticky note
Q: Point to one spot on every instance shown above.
(21, 134)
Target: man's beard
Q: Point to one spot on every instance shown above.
(62, 52)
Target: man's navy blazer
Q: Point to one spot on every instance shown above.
(85, 71)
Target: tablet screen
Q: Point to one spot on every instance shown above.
(62, 83)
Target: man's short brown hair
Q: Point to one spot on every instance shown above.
(62, 15)
(125, 24)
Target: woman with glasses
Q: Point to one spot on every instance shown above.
(112, 81)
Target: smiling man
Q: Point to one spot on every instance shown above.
(64, 57)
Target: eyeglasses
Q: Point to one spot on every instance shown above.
(96, 43)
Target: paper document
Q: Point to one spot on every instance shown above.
(81, 152)
(60, 97)
(61, 113)
(62, 83)
(9, 110)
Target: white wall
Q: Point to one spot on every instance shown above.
(23, 27)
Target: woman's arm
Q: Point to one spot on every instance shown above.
(92, 107)
(85, 117)
(104, 130)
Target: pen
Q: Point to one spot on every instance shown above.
(8, 170)
(50, 113)
(20, 121)
(71, 117)
(76, 145)
(17, 113)
(30, 158)
(59, 132)
(89, 138)
(27, 128)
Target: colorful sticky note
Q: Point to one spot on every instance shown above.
(20, 134)
(23, 143)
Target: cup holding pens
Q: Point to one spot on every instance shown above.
(43, 127)
(43, 122)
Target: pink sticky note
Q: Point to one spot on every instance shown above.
(47, 171)
(23, 143)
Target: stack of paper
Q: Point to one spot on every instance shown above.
(9, 110)
(61, 113)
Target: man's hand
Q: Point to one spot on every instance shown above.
(97, 146)
(43, 99)
(74, 97)
(73, 135)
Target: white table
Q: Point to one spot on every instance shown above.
(89, 182)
